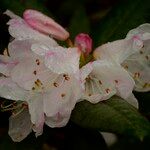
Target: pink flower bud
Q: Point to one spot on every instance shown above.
(44, 24)
(84, 43)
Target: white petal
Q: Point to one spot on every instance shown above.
(133, 101)
(105, 80)
(138, 64)
(40, 49)
(119, 50)
(29, 70)
(35, 104)
(62, 60)
(117, 76)
(23, 74)
(58, 120)
(143, 30)
(10, 90)
(86, 70)
(20, 49)
(62, 97)
(6, 65)
(20, 30)
(20, 126)
(11, 14)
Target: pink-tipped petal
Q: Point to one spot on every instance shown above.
(44, 24)
(84, 43)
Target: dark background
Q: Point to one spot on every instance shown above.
(104, 20)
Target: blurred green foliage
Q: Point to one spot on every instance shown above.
(104, 20)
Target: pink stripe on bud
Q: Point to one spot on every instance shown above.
(84, 43)
(44, 24)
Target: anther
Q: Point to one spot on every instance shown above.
(126, 67)
(34, 72)
(146, 85)
(63, 95)
(107, 90)
(136, 75)
(100, 82)
(33, 88)
(55, 84)
(37, 61)
(116, 81)
(147, 57)
(141, 52)
(66, 77)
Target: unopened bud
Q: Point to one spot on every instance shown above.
(84, 43)
(44, 24)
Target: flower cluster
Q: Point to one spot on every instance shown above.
(46, 80)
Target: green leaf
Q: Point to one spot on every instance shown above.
(79, 22)
(114, 115)
(125, 16)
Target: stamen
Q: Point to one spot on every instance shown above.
(147, 57)
(146, 85)
(136, 75)
(141, 52)
(63, 95)
(116, 81)
(100, 82)
(90, 94)
(55, 84)
(107, 90)
(66, 77)
(34, 72)
(126, 67)
(33, 88)
(37, 61)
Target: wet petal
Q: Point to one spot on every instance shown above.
(117, 76)
(44, 24)
(35, 104)
(105, 80)
(20, 30)
(62, 60)
(23, 75)
(20, 49)
(6, 65)
(59, 120)
(10, 90)
(20, 126)
(62, 96)
(138, 65)
(26, 77)
(118, 50)
(143, 30)
(133, 101)
(40, 49)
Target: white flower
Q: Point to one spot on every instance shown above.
(105, 79)
(51, 94)
(132, 53)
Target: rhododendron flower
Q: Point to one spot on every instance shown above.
(49, 95)
(20, 30)
(103, 79)
(132, 53)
